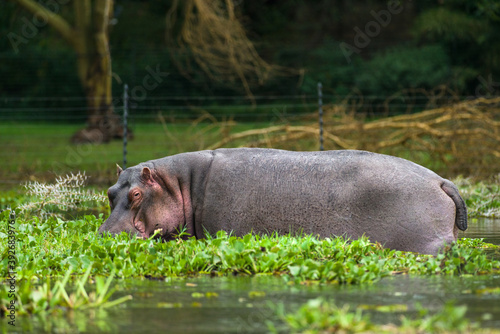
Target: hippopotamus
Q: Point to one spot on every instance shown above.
(349, 193)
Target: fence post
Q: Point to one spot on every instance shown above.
(320, 104)
(125, 115)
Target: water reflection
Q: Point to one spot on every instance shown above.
(489, 229)
(178, 307)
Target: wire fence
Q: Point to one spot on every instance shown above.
(244, 108)
(36, 141)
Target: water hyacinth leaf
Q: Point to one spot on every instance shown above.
(238, 246)
(294, 270)
(321, 316)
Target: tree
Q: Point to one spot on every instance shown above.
(88, 36)
(209, 32)
(207, 29)
(469, 31)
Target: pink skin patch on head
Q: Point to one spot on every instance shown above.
(141, 227)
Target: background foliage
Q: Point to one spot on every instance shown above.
(428, 44)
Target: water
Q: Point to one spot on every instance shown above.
(489, 229)
(240, 304)
(171, 307)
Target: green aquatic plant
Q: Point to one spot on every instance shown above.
(482, 198)
(49, 247)
(31, 297)
(322, 316)
(449, 319)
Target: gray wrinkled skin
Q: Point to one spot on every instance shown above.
(393, 201)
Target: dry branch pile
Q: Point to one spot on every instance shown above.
(462, 138)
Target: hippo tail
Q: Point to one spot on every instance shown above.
(461, 210)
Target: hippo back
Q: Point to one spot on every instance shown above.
(346, 192)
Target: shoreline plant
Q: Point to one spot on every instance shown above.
(55, 245)
(482, 198)
(33, 297)
(67, 193)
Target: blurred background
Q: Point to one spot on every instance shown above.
(418, 80)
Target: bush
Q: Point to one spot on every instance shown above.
(327, 64)
(406, 67)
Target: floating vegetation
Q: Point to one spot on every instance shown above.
(52, 246)
(321, 316)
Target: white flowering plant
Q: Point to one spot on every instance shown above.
(66, 194)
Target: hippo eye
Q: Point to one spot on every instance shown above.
(134, 195)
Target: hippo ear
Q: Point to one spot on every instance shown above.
(119, 170)
(146, 175)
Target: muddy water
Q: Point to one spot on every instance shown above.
(241, 304)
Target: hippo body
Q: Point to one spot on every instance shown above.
(348, 193)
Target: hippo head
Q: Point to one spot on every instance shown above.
(142, 202)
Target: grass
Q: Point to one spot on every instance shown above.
(37, 151)
(65, 194)
(482, 198)
(33, 151)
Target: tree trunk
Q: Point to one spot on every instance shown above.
(103, 124)
(94, 71)
(89, 38)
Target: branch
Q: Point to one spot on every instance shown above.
(101, 14)
(54, 20)
(82, 10)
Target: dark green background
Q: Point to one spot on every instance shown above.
(428, 44)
